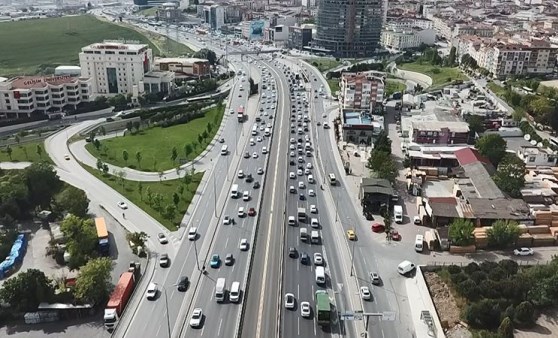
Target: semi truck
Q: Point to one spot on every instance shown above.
(240, 114)
(323, 308)
(121, 295)
(102, 236)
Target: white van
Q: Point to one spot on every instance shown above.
(292, 220)
(220, 289)
(234, 295)
(405, 267)
(311, 179)
(267, 132)
(254, 130)
(398, 214)
(315, 237)
(234, 191)
(419, 243)
(224, 149)
(246, 195)
(332, 179)
(320, 275)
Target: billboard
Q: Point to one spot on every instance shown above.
(256, 29)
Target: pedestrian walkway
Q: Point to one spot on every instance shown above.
(424, 316)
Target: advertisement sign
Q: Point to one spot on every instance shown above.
(256, 30)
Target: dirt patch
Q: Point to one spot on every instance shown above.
(445, 303)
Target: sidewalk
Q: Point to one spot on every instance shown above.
(419, 300)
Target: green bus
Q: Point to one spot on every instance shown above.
(323, 307)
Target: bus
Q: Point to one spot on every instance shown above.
(323, 308)
(240, 113)
(102, 235)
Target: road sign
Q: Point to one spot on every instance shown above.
(388, 316)
(347, 316)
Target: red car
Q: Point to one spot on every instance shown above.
(377, 227)
(251, 212)
(395, 236)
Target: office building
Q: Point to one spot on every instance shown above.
(349, 29)
(299, 37)
(360, 91)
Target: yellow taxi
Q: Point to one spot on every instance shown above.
(351, 235)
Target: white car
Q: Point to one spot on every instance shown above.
(365, 293)
(244, 244)
(318, 259)
(292, 154)
(308, 165)
(192, 233)
(254, 155)
(122, 205)
(259, 139)
(240, 174)
(523, 252)
(292, 175)
(311, 193)
(301, 185)
(246, 196)
(162, 238)
(241, 212)
(196, 319)
(289, 301)
(313, 209)
(264, 150)
(314, 223)
(151, 292)
(305, 309)
(306, 171)
(299, 172)
(67, 157)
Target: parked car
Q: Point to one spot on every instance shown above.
(377, 227)
(523, 252)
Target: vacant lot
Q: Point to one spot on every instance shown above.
(155, 144)
(37, 45)
(440, 75)
(393, 86)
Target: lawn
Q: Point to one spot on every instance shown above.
(155, 144)
(39, 45)
(440, 75)
(393, 86)
(333, 85)
(25, 152)
(499, 91)
(166, 189)
(323, 64)
(168, 47)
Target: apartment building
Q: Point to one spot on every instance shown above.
(406, 38)
(360, 91)
(183, 66)
(439, 132)
(410, 23)
(535, 156)
(25, 96)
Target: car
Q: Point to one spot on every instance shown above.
(259, 139)
(290, 301)
(246, 155)
(229, 259)
(260, 171)
(351, 235)
(365, 293)
(292, 252)
(252, 142)
(249, 178)
(301, 197)
(300, 159)
(241, 212)
(306, 171)
(196, 318)
(523, 252)
(304, 259)
(395, 235)
(292, 175)
(292, 189)
(122, 205)
(182, 284)
(67, 157)
(264, 150)
(244, 244)
(192, 233)
(251, 212)
(308, 165)
(313, 209)
(240, 174)
(291, 162)
(292, 154)
(311, 193)
(375, 278)
(151, 292)
(405, 267)
(377, 227)
(299, 172)
(164, 260)
(162, 238)
(318, 259)
(416, 220)
(246, 196)
(215, 261)
(256, 185)
(314, 223)
(305, 309)
(221, 140)
(227, 220)
(301, 185)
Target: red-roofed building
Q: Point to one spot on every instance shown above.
(469, 155)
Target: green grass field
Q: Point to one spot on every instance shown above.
(130, 189)
(46, 43)
(323, 64)
(155, 144)
(393, 86)
(25, 152)
(500, 91)
(333, 85)
(445, 75)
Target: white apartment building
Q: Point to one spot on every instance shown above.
(535, 156)
(122, 68)
(25, 96)
(411, 23)
(360, 91)
(406, 38)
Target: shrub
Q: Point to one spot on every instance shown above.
(453, 269)
(505, 330)
(487, 266)
(524, 313)
(509, 266)
(478, 276)
(471, 267)
(435, 71)
(484, 314)
(489, 289)
(469, 290)
(497, 274)
(458, 278)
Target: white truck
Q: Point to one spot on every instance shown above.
(220, 290)
(398, 214)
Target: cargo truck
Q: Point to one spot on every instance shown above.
(240, 114)
(120, 296)
(323, 308)
(102, 236)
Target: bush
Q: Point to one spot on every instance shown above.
(509, 266)
(524, 314)
(497, 274)
(505, 330)
(458, 278)
(471, 267)
(489, 289)
(478, 276)
(469, 290)
(488, 266)
(435, 71)
(484, 314)
(454, 269)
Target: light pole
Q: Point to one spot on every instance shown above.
(167, 308)
(196, 252)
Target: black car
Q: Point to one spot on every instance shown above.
(246, 155)
(304, 259)
(292, 162)
(249, 178)
(256, 185)
(301, 197)
(292, 252)
(182, 284)
(229, 259)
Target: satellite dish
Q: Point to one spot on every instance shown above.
(527, 137)
(539, 144)
(533, 142)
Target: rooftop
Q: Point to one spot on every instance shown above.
(499, 208)
(28, 82)
(376, 186)
(443, 206)
(455, 126)
(115, 45)
(469, 155)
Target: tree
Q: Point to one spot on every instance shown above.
(200, 139)
(81, 240)
(39, 150)
(174, 154)
(121, 174)
(43, 183)
(383, 165)
(476, 124)
(138, 158)
(452, 57)
(505, 330)
(125, 156)
(207, 54)
(9, 151)
(93, 282)
(136, 125)
(24, 150)
(541, 106)
(17, 139)
(461, 232)
(383, 142)
(138, 238)
(187, 179)
(97, 144)
(188, 149)
(103, 130)
(180, 189)
(175, 199)
(510, 175)
(140, 189)
(492, 146)
(524, 313)
(484, 314)
(99, 164)
(73, 200)
(105, 168)
(169, 212)
(27, 290)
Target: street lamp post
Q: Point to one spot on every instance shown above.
(353, 256)
(167, 308)
(197, 258)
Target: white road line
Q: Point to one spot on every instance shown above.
(298, 326)
(226, 243)
(220, 323)
(158, 330)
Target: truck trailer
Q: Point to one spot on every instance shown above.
(119, 298)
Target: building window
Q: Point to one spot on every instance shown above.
(532, 159)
